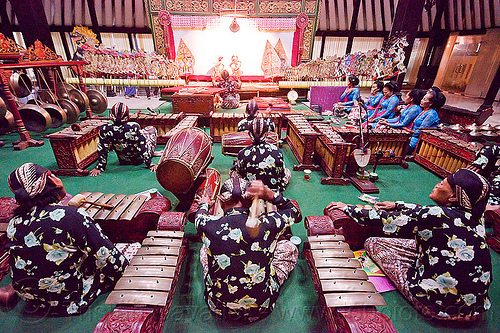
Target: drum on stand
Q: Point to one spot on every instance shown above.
(184, 158)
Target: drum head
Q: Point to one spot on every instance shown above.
(72, 111)
(174, 176)
(35, 118)
(57, 114)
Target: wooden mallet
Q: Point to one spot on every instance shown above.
(80, 199)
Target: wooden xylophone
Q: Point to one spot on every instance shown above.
(301, 138)
(390, 143)
(144, 293)
(132, 215)
(75, 149)
(332, 152)
(232, 143)
(443, 153)
(163, 122)
(224, 123)
(346, 297)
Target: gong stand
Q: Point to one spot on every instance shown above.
(5, 73)
(363, 185)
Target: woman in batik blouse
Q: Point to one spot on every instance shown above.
(230, 99)
(132, 145)
(440, 260)
(60, 261)
(261, 160)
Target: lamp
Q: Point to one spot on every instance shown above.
(234, 26)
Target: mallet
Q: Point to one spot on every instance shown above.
(80, 199)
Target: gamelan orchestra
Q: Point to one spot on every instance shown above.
(238, 207)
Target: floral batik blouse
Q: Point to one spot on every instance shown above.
(241, 285)
(486, 160)
(245, 124)
(263, 161)
(60, 261)
(452, 273)
(127, 140)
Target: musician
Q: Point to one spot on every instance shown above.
(131, 144)
(376, 96)
(229, 99)
(387, 105)
(261, 160)
(252, 111)
(428, 117)
(486, 164)
(440, 260)
(347, 98)
(243, 275)
(60, 261)
(409, 112)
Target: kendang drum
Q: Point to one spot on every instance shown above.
(185, 157)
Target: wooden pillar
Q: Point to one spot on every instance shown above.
(352, 29)
(406, 21)
(434, 51)
(492, 92)
(93, 18)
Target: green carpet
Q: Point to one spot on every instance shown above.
(297, 307)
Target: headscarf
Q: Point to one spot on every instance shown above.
(233, 188)
(28, 181)
(258, 128)
(252, 108)
(119, 113)
(225, 75)
(471, 190)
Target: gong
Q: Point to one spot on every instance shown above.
(35, 118)
(3, 108)
(47, 96)
(79, 98)
(62, 89)
(7, 123)
(20, 84)
(57, 114)
(72, 110)
(97, 100)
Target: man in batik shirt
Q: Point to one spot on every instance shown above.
(132, 145)
(60, 261)
(243, 274)
(441, 263)
(486, 164)
(261, 160)
(230, 99)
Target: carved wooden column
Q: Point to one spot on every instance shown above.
(26, 140)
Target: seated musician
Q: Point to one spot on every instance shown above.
(486, 164)
(243, 274)
(229, 99)
(252, 111)
(376, 96)
(428, 117)
(132, 145)
(410, 111)
(60, 261)
(261, 160)
(387, 105)
(347, 98)
(440, 260)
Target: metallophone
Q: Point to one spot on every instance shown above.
(301, 137)
(390, 143)
(163, 122)
(332, 152)
(232, 143)
(224, 123)
(75, 147)
(443, 153)
(347, 299)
